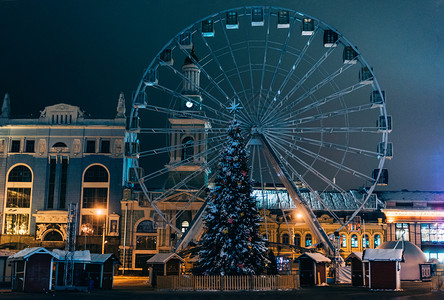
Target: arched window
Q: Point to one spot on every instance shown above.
(377, 240)
(285, 239)
(343, 241)
(297, 240)
(96, 174)
(95, 198)
(185, 225)
(59, 145)
(365, 241)
(18, 197)
(146, 226)
(188, 148)
(20, 174)
(308, 240)
(354, 241)
(53, 236)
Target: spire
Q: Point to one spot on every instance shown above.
(6, 107)
(189, 59)
(121, 106)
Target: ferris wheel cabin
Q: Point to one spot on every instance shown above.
(257, 16)
(330, 38)
(377, 99)
(231, 20)
(283, 19)
(166, 57)
(307, 26)
(388, 153)
(185, 41)
(208, 28)
(383, 178)
(382, 125)
(349, 55)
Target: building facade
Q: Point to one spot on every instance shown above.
(417, 217)
(46, 163)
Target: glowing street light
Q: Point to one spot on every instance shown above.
(100, 212)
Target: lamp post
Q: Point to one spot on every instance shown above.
(86, 230)
(99, 213)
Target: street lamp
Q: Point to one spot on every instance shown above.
(86, 230)
(99, 213)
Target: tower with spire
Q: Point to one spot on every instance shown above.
(121, 106)
(6, 107)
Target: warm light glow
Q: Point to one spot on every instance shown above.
(413, 213)
(299, 215)
(100, 212)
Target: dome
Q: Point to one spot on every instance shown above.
(413, 256)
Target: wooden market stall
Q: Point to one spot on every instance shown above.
(359, 269)
(5, 269)
(313, 268)
(32, 270)
(384, 268)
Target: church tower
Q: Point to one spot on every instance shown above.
(188, 144)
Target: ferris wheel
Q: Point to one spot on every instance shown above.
(309, 106)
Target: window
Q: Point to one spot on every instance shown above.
(146, 227)
(29, 146)
(377, 241)
(185, 225)
(16, 223)
(95, 197)
(96, 174)
(53, 236)
(94, 223)
(188, 148)
(51, 183)
(63, 183)
(104, 146)
(433, 233)
(20, 174)
(354, 241)
(15, 146)
(297, 240)
(91, 146)
(365, 241)
(59, 145)
(146, 243)
(308, 240)
(18, 198)
(343, 241)
(402, 231)
(285, 239)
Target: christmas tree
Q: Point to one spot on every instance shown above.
(232, 244)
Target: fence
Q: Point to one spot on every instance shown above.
(229, 283)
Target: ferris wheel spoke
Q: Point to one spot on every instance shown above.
(152, 130)
(289, 75)
(279, 148)
(328, 145)
(282, 53)
(321, 158)
(348, 129)
(302, 80)
(237, 69)
(250, 69)
(187, 114)
(180, 96)
(184, 181)
(179, 164)
(264, 63)
(208, 95)
(223, 71)
(169, 149)
(331, 114)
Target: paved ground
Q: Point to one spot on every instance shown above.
(127, 288)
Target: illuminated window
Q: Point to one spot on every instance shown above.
(308, 240)
(433, 233)
(146, 243)
(377, 241)
(93, 224)
(402, 231)
(343, 241)
(17, 205)
(366, 241)
(354, 241)
(188, 148)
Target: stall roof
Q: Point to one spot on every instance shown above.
(356, 254)
(382, 255)
(101, 258)
(317, 257)
(162, 258)
(27, 252)
(80, 256)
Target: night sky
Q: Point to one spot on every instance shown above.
(85, 53)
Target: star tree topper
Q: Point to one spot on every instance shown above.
(234, 107)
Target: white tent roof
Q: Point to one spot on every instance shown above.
(27, 252)
(78, 255)
(382, 255)
(162, 258)
(317, 257)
